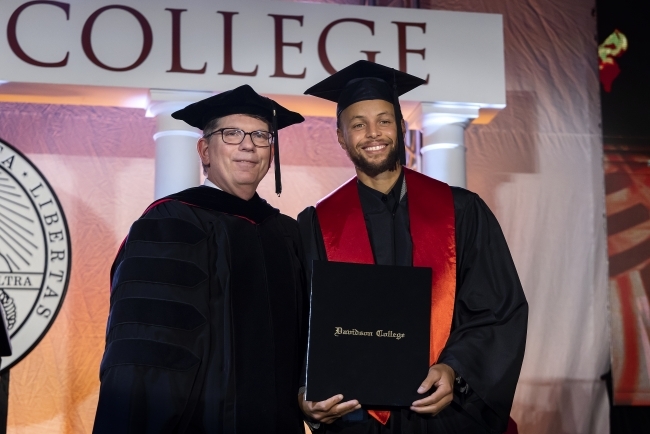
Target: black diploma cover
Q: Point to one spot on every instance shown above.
(368, 333)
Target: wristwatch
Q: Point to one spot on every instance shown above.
(313, 426)
(460, 385)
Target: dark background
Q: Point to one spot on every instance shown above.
(626, 109)
(626, 127)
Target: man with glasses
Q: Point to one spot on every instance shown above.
(205, 331)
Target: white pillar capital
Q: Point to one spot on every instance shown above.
(436, 115)
(177, 162)
(443, 141)
(162, 101)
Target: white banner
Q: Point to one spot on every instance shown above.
(277, 47)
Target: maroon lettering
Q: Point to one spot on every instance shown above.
(13, 39)
(280, 43)
(176, 45)
(322, 42)
(86, 42)
(228, 68)
(371, 55)
(401, 43)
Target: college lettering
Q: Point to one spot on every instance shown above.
(338, 331)
(280, 44)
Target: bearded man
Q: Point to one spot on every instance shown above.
(390, 215)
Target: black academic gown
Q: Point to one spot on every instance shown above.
(205, 327)
(487, 340)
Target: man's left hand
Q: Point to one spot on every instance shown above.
(442, 377)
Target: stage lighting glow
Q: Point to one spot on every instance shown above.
(437, 146)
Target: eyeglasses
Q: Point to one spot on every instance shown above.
(234, 136)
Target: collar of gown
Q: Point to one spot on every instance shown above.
(210, 196)
(209, 183)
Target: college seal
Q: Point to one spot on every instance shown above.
(34, 252)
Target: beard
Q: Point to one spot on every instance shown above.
(374, 169)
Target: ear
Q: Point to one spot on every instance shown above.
(341, 138)
(202, 149)
(404, 129)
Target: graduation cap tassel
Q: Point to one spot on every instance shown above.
(276, 157)
(400, 139)
(401, 147)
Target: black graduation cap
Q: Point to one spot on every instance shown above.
(364, 80)
(242, 100)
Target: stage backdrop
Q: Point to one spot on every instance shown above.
(627, 178)
(538, 165)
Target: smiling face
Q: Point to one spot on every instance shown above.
(236, 169)
(368, 133)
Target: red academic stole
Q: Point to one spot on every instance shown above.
(433, 231)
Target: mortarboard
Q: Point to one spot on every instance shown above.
(242, 100)
(364, 80)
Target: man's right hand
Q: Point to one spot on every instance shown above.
(329, 410)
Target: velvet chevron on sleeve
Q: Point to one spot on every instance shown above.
(205, 330)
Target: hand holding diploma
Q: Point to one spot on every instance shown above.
(442, 377)
(329, 410)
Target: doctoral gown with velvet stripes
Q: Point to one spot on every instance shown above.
(488, 335)
(205, 331)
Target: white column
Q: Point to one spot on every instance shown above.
(177, 163)
(443, 141)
